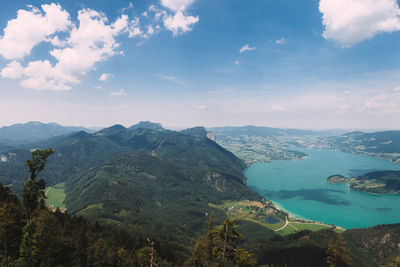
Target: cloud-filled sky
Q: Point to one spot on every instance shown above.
(318, 64)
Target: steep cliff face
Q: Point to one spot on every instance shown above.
(211, 136)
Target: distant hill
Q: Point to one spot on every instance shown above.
(384, 144)
(34, 131)
(147, 125)
(268, 131)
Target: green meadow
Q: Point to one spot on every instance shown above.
(55, 196)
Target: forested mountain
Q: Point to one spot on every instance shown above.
(134, 177)
(158, 185)
(81, 151)
(34, 131)
(147, 125)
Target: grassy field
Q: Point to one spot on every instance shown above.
(55, 196)
(257, 212)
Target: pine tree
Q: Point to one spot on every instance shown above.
(32, 197)
(337, 253)
(228, 234)
(33, 191)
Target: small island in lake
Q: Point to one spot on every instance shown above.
(378, 182)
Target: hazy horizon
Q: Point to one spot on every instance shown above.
(177, 128)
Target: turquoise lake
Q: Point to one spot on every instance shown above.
(300, 187)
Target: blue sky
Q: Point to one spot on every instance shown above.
(281, 63)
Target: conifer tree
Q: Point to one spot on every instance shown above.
(337, 253)
(33, 196)
(33, 191)
(228, 234)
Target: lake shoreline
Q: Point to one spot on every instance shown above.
(299, 188)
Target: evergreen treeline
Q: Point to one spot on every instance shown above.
(57, 239)
(32, 235)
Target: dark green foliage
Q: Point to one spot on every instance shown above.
(33, 191)
(152, 196)
(218, 246)
(11, 224)
(81, 151)
(373, 246)
(337, 253)
(57, 239)
(390, 178)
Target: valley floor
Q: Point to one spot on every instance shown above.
(267, 215)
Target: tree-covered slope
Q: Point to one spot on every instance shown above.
(150, 194)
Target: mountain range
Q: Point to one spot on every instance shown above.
(34, 131)
(157, 183)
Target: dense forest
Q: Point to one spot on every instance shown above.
(33, 235)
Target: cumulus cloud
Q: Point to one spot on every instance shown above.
(105, 76)
(77, 47)
(350, 22)
(237, 62)
(32, 27)
(246, 48)
(201, 107)
(118, 93)
(397, 89)
(13, 70)
(179, 23)
(176, 5)
(91, 42)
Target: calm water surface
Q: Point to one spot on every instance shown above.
(300, 187)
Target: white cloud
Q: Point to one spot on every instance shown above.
(13, 70)
(30, 28)
(201, 107)
(349, 22)
(281, 41)
(179, 23)
(130, 6)
(134, 28)
(118, 93)
(176, 5)
(237, 62)
(150, 30)
(246, 48)
(91, 42)
(397, 89)
(81, 45)
(105, 76)
(380, 101)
